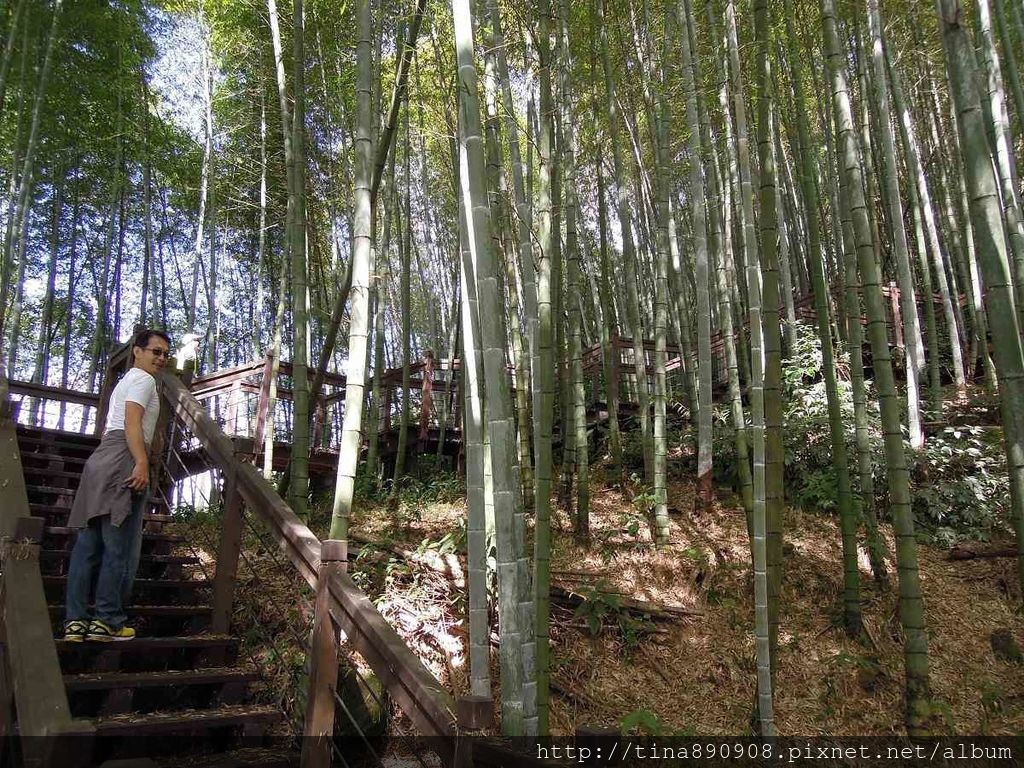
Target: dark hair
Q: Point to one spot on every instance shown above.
(142, 337)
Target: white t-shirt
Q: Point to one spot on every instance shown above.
(136, 386)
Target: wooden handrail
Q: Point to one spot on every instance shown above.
(13, 496)
(45, 392)
(225, 377)
(45, 725)
(422, 698)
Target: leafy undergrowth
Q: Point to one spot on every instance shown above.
(693, 671)
(688, 667)
(696, 675)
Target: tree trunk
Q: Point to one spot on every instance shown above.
(919, 185)
(840, 462)
(26, 170)
(518, 686)
(918, 691)
(992, 253)
(995, 110)
(575, 403)
(8, 54)
(721, 232)
(628, 251)
(704, 491)
(42, 362)
(773, 405)
(69, 311)
(499, 194)
(404, 229)
(298, 488)
(355, 387)
(890, 182)
(1006, 40)
(759, 546)
(543, 361)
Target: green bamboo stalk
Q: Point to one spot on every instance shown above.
(704, 492)
(840, 461)
(992, 253)
(922, 199)
(918, 691)
(355, 386)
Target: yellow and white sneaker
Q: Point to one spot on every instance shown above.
(75, 630)
(104, 633)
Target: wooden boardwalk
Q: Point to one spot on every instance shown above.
(238, 398)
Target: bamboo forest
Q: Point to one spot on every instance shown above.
(548, 368)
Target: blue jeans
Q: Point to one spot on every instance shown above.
(113, 550)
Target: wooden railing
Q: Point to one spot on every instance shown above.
(421, 697)
(31, 675)
(239, 397)
(37, 404)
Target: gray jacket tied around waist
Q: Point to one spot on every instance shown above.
(102, 490)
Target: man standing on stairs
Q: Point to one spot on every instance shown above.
(111, 499)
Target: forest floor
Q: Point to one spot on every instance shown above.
(693, 672)
(689, 667)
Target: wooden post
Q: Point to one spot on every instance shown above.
(387, 404)
(227, 556)
(233, 398)
(263, 404)
(120, 360)
(47, 734)
(614, 386)
(454, 397)
(600, 743)
(101, 411)
(318, 734)
(897, 318)
(474, 714)
(319, 421)
(426, 396)
(6, 687)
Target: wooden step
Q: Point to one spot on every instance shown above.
(116, 692)
(36, 433)
(146, 611)
(46, 472)
(166, 538)
(148, 654)
(62, 554)
(149, 644)
(208, 676)
(59, 443)
(182, 732)
(51, 512)
(239, 758)
(146, 583)
(40, 509)
(133, 724)
(54, 512)
(154, 517)
(42, 456)
(55, 562)
(171, 591)
(50, 490)
(153, 620)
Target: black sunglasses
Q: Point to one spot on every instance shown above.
(159, 352)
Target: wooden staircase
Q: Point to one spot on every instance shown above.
(176, 693)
